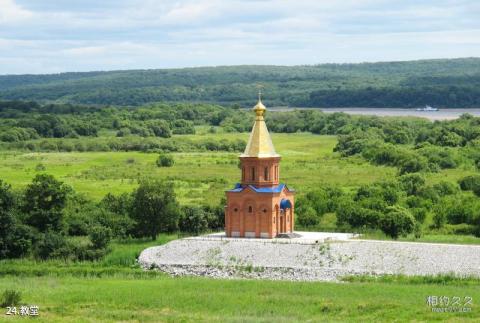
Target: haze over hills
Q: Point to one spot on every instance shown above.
(453, 83)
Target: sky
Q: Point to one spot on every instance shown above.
(47, 36)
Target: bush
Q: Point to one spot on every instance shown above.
(397, 221)
(10, 297)
(154, 208)
(411, 183)
(419, 214)
(44, 201)
(52, 245)
(307, 217)
(439, 220)
(445, 188)
(100, 236)
(356, 216)
(164, 160)
(470, 183)
(193, 220)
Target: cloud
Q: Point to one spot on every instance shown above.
(51, 36)
(10, 12)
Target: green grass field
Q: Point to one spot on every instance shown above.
(308, 162)
(73, 299)
(115, 289)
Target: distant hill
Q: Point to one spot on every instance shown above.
(453, 83)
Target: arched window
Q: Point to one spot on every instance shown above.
(243, 173)
(253, 173)
(250, 209)
(265, 175)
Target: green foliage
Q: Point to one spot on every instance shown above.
(193, 220)
(100, 236)
(51, 245)
(154, 208)
(165, 160)
(307, 216)
(397, 221)
(459, 209)
(15, 238)
(412, 183)
(471, 183)
(452, 83)
(44, 201)
(10, 297)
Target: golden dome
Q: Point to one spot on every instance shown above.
(259, 144)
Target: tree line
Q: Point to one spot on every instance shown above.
(48, 219)
(450, 83)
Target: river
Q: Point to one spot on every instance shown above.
(442, 114)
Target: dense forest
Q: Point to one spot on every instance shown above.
(452, 83)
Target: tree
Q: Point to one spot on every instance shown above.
(44, 201)
(470, 183)
(307, 217)
(100, 236)
(193, 220)
(154, 208)
(165, 160)
(397, 221)
(15, 238)
(411, 183)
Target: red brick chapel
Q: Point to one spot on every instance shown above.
(259, 206)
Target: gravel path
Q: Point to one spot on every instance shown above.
(309, 262)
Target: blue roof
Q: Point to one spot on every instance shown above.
(285, 204)
(276, 189)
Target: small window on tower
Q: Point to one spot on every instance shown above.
(266, 174)
(235, 209)
(264, 210)
(250, 209)
(253, 173)
(273, 220)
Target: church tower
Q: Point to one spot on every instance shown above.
(259, 206)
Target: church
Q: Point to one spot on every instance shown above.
(259, 206)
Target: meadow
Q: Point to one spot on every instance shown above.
(308, 162)
(115, 289)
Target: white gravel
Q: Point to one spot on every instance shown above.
(301, 260)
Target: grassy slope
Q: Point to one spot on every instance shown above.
(114, 289)
(308, 161)
(70, 299)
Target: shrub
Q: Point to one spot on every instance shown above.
(44, 201)
(445, 188)
(397, 221)
(470, 183)
(10, 297)
(439, 220)
(356, 216)
(100, 236)
(419, 214)
(52, 245)
(308, 217)
(411, 183)
(193, 220)
(154, 209)
(164, 160)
